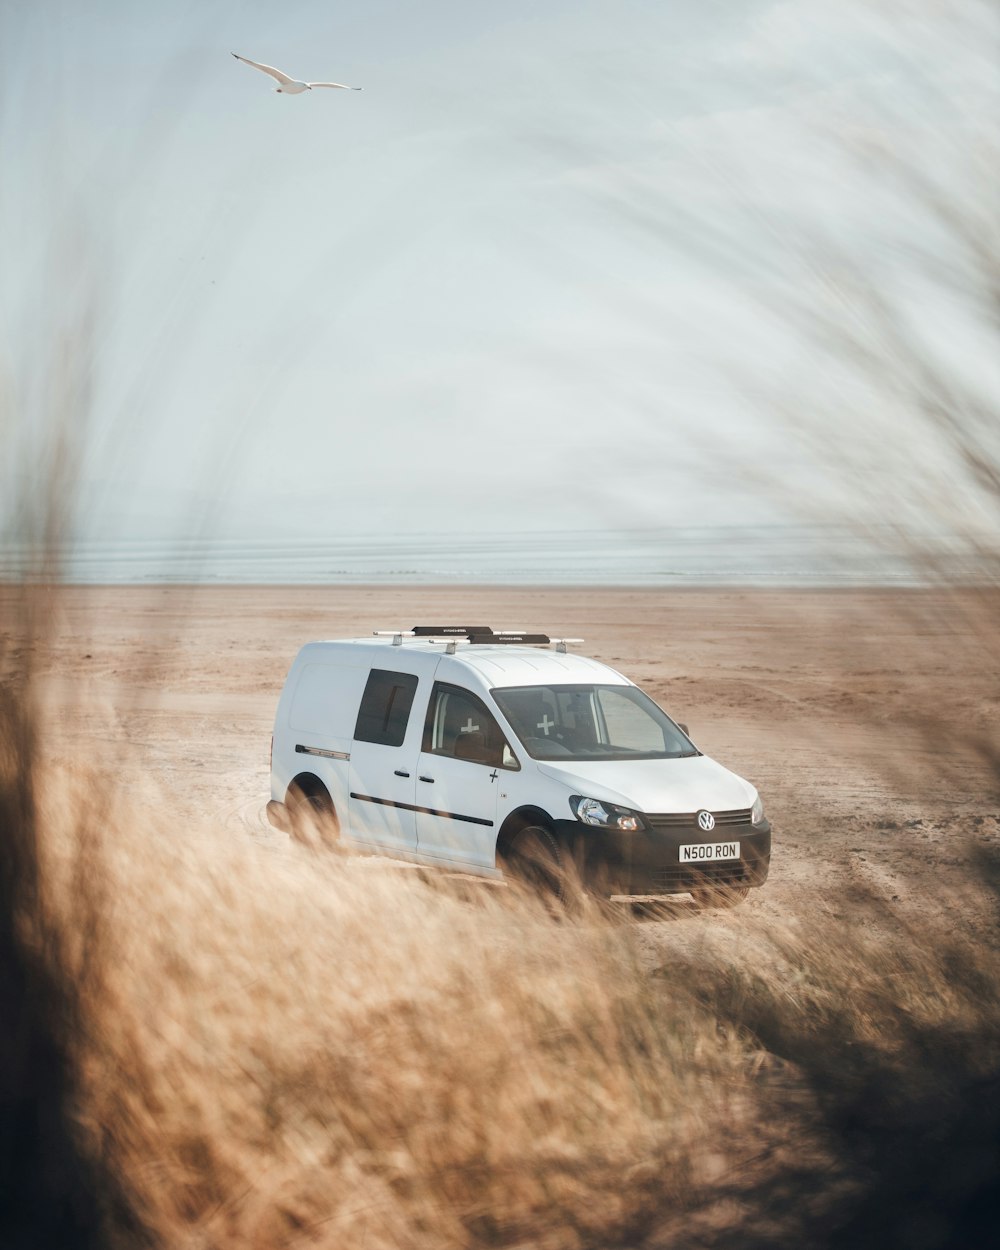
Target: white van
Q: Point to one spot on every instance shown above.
(499, 753)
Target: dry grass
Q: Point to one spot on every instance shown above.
(281, 1047)
(213, 1043)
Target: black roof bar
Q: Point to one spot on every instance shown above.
(450, 631)
(474, 634)
(523, 639)
(480, 634)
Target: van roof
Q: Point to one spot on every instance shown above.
(528, 666)
(493, 664)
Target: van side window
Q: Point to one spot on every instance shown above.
(385, 707)
(459, 725)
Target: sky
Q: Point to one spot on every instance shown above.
(539, 275)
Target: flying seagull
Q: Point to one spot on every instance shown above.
(291, 86)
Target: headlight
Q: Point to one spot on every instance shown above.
(757, 811)
(604, 815)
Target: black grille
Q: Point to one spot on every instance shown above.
(689, 820)
(667, 880)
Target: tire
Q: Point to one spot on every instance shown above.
(534, 861)
(312, 816)
(720, 896)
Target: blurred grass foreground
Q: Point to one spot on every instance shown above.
(207, 1042)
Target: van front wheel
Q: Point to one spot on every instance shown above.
(533, 860)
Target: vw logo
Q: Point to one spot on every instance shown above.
(706, 821)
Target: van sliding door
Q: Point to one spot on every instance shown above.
(383, 766)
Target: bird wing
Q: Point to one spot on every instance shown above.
(342, 85)
(268, 69)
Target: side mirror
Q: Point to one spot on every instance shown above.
(683, 728)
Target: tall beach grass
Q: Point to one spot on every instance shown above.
(213, 1042)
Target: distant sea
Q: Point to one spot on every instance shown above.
(768, 555)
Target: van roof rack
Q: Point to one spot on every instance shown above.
(473, 634)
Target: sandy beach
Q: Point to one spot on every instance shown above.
(856, 713)
(265, 1039)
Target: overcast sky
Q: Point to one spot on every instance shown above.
(475, 294)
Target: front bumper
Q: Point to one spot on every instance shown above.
(648, 861)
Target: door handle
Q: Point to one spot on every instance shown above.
(400, 773)
(427, 779)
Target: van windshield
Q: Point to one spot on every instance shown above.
(591, 723)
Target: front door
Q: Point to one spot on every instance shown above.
(459, 775)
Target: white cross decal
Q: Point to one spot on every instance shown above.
(545, 724)
(469, 727)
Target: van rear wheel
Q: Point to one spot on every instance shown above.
(312, 815)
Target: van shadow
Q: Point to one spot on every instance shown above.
(672, 907)
(478, 891)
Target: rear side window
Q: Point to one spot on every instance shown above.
(385, 707)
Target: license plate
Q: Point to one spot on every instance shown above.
(702, 852)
